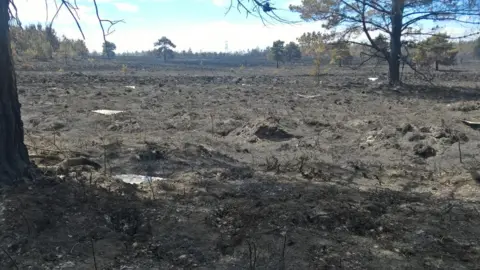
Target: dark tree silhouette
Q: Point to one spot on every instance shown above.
(277, 52)
(109, 49)
(14, 161)
(164, 49)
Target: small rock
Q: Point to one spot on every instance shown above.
(405, 128)
(416, 137)
(424, 151)
(438, 134)
(50, 257)
(462, 137)
(114, 127)
(272, 133)
(425, 129)
(57, 125)
(237, 80)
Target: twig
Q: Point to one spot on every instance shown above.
(10, 257)
(100, 21)
(93, 253)
(105, 158)
(149, 172)
(460, 151)
(258, 9)
(282, 259)
(71, 250)
(252, 252)
(212, 119)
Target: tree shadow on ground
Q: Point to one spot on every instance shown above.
(436, 93)
(224, 218)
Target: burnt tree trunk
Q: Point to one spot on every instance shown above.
(14, 160)
(396, 41)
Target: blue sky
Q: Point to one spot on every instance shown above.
(197, 24)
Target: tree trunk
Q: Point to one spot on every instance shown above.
(164, 56)
(277, 64)
(436, 65)
(14, 160)
(396, 41)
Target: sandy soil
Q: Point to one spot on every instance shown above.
(263, 170)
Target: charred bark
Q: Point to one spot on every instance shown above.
(396, 41)
(14, 160)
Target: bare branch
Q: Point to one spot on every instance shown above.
(14, 14)
(46, 9)
(259, 9)
(448, 37)
(100, 21)
(66, 4)
(56, 14)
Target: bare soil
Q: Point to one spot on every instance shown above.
(264, 170)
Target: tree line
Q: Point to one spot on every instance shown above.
(42, 43)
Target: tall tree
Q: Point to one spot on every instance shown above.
(164, 47)
(80, 48)
(436, 50)
(277, 51)
(292, 52)
(339, 53)
(476, 48)
(66, 49)
(52, 37)
(397, 19)
(314, 44)
(109, 49)
(14, 160)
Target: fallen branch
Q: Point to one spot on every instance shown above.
(308, 96)
(66, 164)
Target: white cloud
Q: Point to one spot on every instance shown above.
(126, 7)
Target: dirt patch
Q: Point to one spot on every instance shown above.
(265, 129)
(256, 176)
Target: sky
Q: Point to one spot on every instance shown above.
(201, 25)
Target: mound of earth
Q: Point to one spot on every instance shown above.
(265, 129)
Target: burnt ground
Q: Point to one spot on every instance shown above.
(263, 169)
